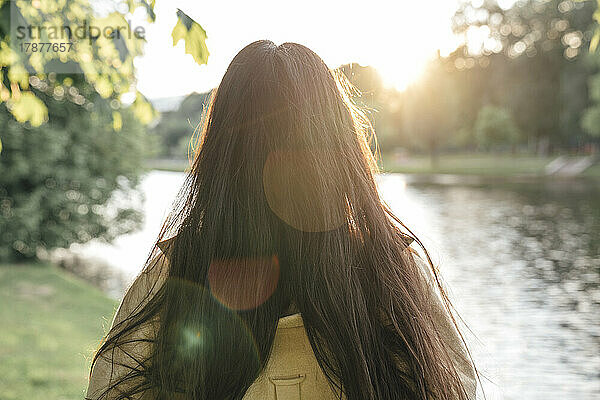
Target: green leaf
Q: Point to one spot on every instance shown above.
(594, 41)
(142, 109)
(117, 121)
(28, 108)
(148, 5)
(193, 35)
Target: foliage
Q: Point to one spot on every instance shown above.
(55, 180)
(70, 146)
(596, 38)
(531, 60)
(495, 126)
(175, 128)
(380, 104)
(429, 109)
(105, 63)
(193, 35)
(591, 118)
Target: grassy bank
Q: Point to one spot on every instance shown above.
(51, 324)
(474, 164)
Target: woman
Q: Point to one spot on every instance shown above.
(284, 276)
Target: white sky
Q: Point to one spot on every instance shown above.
(396, 37)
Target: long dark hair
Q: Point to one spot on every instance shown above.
(280, 211)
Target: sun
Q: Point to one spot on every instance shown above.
(400, 44)
(400, 74)
(401, 68)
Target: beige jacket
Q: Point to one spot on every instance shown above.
(292, 371)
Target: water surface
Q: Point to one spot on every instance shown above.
(522, 262)
(523, 265)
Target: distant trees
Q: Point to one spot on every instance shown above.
(523, 79)
(380, 104)
(175, 128)
(421, 117)
(495, 128)
(591, 117)
(429, 110)
(526, 68)
(530, 59)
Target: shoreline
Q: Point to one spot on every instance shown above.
(448, 179)
(452, 169)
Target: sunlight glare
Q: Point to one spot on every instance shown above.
(397, 38)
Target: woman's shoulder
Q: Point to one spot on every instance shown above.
(117, 361)
(146, 284)
(166, 246)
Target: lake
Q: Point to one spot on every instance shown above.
(521, 261)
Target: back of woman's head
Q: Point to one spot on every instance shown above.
(280, 209)
(281, 127)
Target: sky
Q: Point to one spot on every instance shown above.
(396, 37)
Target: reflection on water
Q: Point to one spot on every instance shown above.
(522, 262)
(113, 267)
(128, 252)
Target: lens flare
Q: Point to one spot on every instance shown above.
(207, 325)
(245, 283)
(302, 193)
(194, 338)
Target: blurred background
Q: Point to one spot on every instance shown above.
(488, 122)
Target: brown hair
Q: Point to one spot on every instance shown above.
(281, 208)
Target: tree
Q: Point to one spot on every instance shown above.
(429, 107)
(530, 59)
(590, 121)
(596, 38)
(175, 128)
(380, 104)
(72, 150)
(56, 179)
(495, 127)
(102, 53)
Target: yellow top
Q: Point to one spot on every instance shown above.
(292, 371)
